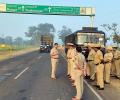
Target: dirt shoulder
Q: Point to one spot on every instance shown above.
(10, 54)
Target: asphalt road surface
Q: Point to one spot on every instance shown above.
(27, 77)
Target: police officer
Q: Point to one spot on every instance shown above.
(80, 71)
(98, 61)
(54, 60)
(90, 59)
(117, 60)
(86, 53)
(72, 63)
(69, 57)
(107, 62)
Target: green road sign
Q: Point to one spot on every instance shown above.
(47, 10)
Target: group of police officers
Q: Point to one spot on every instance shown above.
(95, 63)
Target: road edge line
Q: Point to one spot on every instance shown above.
(98, 96)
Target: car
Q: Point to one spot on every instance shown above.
(45, 48)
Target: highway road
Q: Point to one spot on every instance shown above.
(27, 77)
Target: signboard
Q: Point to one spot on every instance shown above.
(47, 10)
(3, 7)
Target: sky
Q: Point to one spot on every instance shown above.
(107, 12)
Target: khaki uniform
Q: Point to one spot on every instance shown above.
(91, 62)
(113, 69)
(54, 61)
(72, 63)
(79, 70)
(117, 62)
(107, 61)
(99, 68)
(69, 57)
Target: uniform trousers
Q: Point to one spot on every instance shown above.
(54, 63)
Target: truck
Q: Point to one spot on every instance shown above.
(46, 43)
(86, 35)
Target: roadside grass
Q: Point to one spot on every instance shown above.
(6, 53)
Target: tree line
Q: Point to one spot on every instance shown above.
(35, 32)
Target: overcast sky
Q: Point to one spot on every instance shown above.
(107, 11)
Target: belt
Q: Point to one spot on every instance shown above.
(107, 62)
(69, 58)
(55, 58)
(90, 60)
(99, 63)
(116, 58)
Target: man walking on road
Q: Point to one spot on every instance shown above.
(54, 60)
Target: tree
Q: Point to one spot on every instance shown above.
(18, 41)
(114, 31)
(46, 29)
(8, 40)
(42, 29)
(64, 32)
(2, 40)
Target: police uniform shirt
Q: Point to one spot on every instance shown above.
(91, 55)
(54, 53)
(80, 60)
(117, 54)
(98, 57)
(108, 57)
(69, 56)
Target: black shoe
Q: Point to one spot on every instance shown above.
(101, 89)
(68, 75)
(92, 80)
(118, 77)
(87, 77)
(97, 86)
(106, 82)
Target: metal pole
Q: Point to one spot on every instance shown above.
(92, 21)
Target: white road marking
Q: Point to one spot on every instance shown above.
(8, 74)
(21, 73)
(98, 96)
(39, 57)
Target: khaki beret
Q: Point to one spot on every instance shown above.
(109, 48)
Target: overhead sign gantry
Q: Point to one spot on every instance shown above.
(48, 10)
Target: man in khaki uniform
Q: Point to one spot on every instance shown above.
(86, 52)
(91, 61)
(98, 61)
(80, 71)
(69, 57)
(117, 61)
(107, 62)
(72, 62)
(54, 60)
(113, 69)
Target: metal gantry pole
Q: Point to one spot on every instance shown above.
(91, 21)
